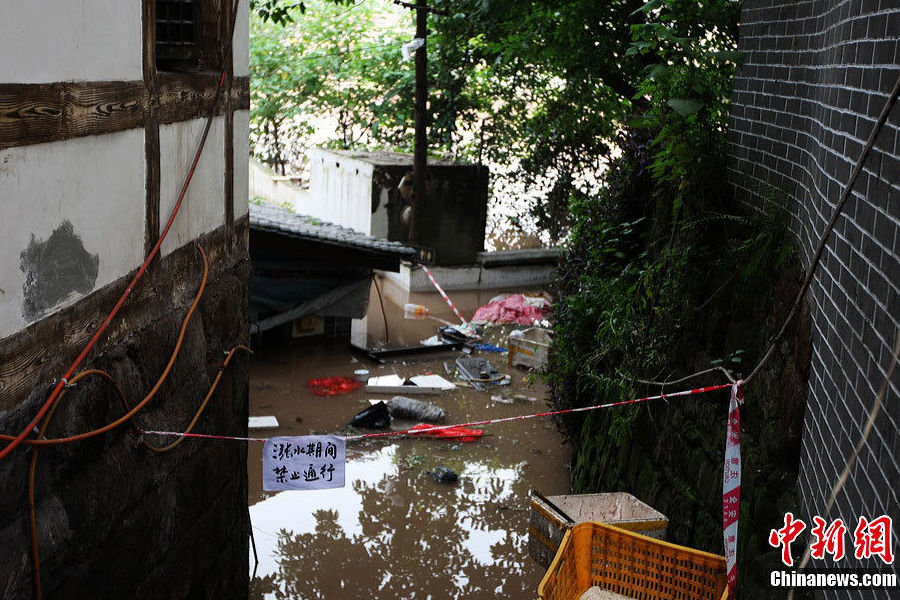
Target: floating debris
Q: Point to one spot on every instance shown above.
(421, 384)
(332, 386)
(268, 422)
(444, 475)
(402, 407)
(374, 417)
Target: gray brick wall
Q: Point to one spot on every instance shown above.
(816, 75)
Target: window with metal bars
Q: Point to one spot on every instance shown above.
(178, 34)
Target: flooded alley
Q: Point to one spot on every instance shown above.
(393, 531)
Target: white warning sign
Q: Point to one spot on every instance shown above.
(310, 462)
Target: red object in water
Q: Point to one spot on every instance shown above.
(512, 309)
(451, 433)
(332, 386)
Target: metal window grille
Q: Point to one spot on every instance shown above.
(177, 30)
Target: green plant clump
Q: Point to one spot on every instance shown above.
(664, 276)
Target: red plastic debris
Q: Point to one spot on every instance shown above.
(450, 433)
(332, 386)
(514, 308)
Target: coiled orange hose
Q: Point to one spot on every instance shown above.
(212, 389)
(150, 394)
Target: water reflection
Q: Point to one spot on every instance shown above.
(398, 534)
(392, 531)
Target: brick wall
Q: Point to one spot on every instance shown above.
(816, 76)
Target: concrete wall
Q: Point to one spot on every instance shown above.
(281, 193)
(360, 190)
(816, 76)
(340, 191)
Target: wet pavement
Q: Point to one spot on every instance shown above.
(393, 531)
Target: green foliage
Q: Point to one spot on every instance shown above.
(276, 10)
(549, 86)
(282, 11)
(687, 88)
(323, 63)
(641, 250)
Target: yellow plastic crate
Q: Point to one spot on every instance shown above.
(633, 565)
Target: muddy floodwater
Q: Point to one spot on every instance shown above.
(393, 531)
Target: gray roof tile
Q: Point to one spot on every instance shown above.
(267, 217)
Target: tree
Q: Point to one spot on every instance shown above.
(321, 62)
(550, 86)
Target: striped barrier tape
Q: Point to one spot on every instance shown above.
(731, 485)
(413, 431)
(444, 295)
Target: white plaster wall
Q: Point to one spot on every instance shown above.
(241, 162)
(241, 43)
(263, 186)
(203, 209)
(476, 277)
(340, 190)
(95, 182)
(43, 41)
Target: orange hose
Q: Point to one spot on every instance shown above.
(35, 558)
(147, 398)
(209, 394)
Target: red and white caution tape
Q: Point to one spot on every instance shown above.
(731, 485)
(444, 295)
(205, 436)
(414, 431)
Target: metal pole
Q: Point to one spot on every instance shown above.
(420, 148)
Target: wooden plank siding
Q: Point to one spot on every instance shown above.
(36, 113)
(229, 116)
(151, 128)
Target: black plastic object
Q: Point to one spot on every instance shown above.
(402, 407)
(452, 335)
(376, 416)
(444, 475)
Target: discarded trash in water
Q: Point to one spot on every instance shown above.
(478, 372)
(478, 369)
(332, 386)
(485, 347)
(361, 375)
(262, 423)
(444, 475)
(502, 399)
(414, 311)
(374, 417)
(512, 308)
(529, 348)
(420, 384)
(457, 333)
(460, 433)
(415, 410)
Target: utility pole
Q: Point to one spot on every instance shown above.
(420, 147)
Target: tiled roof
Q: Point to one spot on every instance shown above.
(267, 217)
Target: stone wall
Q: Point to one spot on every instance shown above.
(815, 78)
(115, 520)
